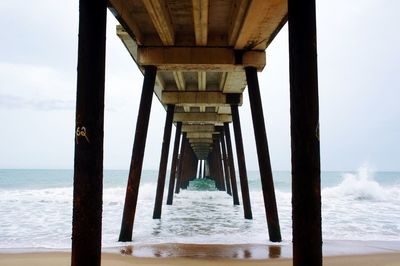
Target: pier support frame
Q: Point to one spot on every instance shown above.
(88, 161)
(264, 162)
(139, 144)
(225, 160)
(218, 164)
(304, 113)
(163, 162)
(180, 164)
(231, 165)
(174, 164)
(241, 162)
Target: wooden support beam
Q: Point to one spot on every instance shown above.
(242, 163)
(161, 18)
(304, 124)
(201, 168)
(139, 143)
(163, 162)
(89, 127)
(232, 82)
(189, 166)
(193, 140)
(254, 32)
(238, 15)
(180, 164)
(218, 164)
(199, 135)
(214, 59)
(198, 128)
(174, 164)
(200, 145)
(179, 80)
(202, 80)
(232, 172)
(208, 118)
(122, 12)
(225, 161)
(127, 40)
(207, 98)
(264, 161)
(201, 148)
(200, 19)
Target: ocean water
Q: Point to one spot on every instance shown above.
(36, 209)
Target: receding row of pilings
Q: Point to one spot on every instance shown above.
(186, 161)
(88, 162)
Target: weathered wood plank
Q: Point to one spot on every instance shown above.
(200, 18)
(209, 118)
(159, 14)
(199, 59)
(262, 21)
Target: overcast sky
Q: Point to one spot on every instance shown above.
(359, 77)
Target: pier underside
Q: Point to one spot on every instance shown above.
(197, 57)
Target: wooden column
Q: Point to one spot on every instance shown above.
(225, 160)
(219, 166)
(304, 119)
(89, 126)
(174, 164)
(241, 162)
(163, 162)
(206, 169)
(231, 165)
(180, 164)
(139, 143)
(264, 162)
(200, 169)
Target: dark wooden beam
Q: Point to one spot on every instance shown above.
(229, 150)
(264, 162)
(242, 163)
(174, 164)
(218, 164)
(139, 144)
(304, 124)
(180, 164)
(89, 123)
(225, 160)
(163, 162)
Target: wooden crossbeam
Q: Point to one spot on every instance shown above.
(214, 59)
(199, 135)
(209, 98)
(200, 145)
(194, 140)
(198, 128)
(159, 15)
(209, 118)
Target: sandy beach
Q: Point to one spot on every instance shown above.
(63, 258)
(336, 253)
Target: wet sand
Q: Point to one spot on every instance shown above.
(61, 259)
(335, 253)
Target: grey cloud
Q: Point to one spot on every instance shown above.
(16, 102)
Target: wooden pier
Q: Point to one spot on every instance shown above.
(197, 58)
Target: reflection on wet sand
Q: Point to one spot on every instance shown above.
(246, 251)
